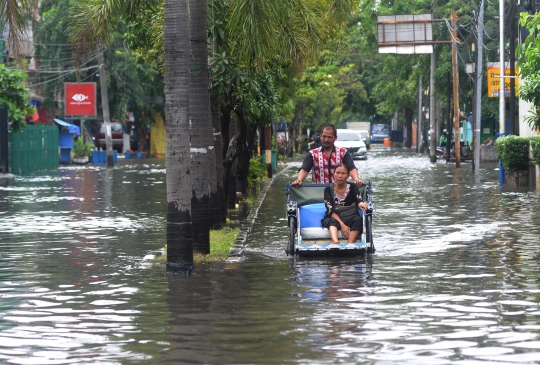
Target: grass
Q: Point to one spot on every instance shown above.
(221, 242)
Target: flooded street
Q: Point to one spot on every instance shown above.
(455, 278)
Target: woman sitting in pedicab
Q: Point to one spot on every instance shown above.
(342, 200)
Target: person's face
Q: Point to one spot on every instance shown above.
(341, 175)
(328, 138)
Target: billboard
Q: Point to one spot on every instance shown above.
(405, 34)
(80, 99)
(493, 79)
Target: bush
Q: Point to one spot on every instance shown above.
(81, 149)
(257, 171)
(535, 149)
(513, 152)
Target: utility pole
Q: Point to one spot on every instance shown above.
(105, 107)
(457, 150)
(432, 126)
(514, 126)
(501, 84)
(448, 119)
(478, 91)
(419, 124)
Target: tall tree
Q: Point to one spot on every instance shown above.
(178, 161)
(203, 177)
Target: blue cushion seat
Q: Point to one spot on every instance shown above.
(311, 215)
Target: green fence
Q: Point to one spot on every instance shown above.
(33, 148)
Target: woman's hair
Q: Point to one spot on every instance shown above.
(343, 165)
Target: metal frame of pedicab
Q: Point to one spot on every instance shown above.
(306, 204)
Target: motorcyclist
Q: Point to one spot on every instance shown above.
(443, 139)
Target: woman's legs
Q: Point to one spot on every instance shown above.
(355, 223)
(333, 227)
(333, 234)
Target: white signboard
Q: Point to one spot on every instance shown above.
(405, 34)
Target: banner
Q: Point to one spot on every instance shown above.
(80, 99)
(493, 80)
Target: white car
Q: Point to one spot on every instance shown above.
(352, 141)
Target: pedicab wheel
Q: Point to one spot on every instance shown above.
(369, 234)
(292, 237)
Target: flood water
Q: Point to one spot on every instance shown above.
(455, 278)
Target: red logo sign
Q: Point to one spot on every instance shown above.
(80, 99)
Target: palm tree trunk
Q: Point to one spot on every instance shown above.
(218, 148)
(178, 162)
(201, 126)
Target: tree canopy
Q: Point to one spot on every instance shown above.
(15, 95)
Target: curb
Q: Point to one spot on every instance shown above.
(236, 252)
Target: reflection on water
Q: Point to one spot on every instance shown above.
(455, 278)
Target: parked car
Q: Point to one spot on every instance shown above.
(352, 141)
(365, 137)
(117, 135)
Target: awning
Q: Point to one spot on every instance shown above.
(73, 129)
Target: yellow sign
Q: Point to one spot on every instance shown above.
(493, 79)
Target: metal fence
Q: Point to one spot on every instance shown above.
(33, 148)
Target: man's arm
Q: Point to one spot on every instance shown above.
(302, 174)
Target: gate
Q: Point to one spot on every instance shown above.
(33, 148)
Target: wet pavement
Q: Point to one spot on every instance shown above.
(455, 279)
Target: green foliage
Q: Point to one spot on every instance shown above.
(528, 55)
(132, 85)
(257, 171)
(81, 149)
(513, 152)
(15, 95)
(535, 149)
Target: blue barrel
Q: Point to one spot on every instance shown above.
(65, 155)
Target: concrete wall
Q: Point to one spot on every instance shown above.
(488, 154)
(524, 129)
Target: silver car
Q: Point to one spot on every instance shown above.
(352, 141)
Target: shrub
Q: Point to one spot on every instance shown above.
(513, 152)
(81, 149)
(257, 171)
(535, 149)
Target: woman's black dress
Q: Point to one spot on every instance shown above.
(336, 204)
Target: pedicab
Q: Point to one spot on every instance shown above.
(307, 237)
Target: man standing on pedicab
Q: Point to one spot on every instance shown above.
(323, 161)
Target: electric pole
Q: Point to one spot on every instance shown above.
(478, 91)
(105, 108)
(457, 150)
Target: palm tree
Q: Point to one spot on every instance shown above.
(178, 161)
(14, 14)
(202, 156)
